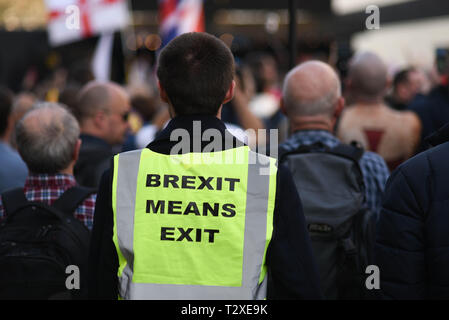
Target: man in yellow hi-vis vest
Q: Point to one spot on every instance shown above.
(197, 214)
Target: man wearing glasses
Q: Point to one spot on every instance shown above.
(102, 110)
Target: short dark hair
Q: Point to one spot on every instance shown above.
(6, 99)
(402, 76)
(196, 70)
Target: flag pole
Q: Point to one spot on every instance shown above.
(292, 5)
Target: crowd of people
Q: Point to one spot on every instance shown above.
(395, 127)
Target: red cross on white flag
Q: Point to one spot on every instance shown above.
(72, 20)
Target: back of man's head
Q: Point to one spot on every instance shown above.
(311, 89)
(5, 109)
(93, 97)
(402, 77)
(46, 138)
(368, 77)
(22, 103)
(102, 110)
(196, 70)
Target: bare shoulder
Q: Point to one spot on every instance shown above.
(349, 114)
(411, 119)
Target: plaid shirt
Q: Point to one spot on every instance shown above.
(374, 169)
(49, 187)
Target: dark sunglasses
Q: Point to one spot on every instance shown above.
(125, 116)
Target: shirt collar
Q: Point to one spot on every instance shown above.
(314, 135)
(308, 137)
(50, 180)
(190, 123)
(89, 139)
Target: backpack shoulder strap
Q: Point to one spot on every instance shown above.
(72, 198)
(13, 200)
(305, 148)
(352, 151)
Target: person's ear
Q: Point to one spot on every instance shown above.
(219, 112)
(230, 93)
(349, 85)
(282, 107)
(339, 108)
(76, 151)
(162, 93)
(99, 119)
(10, 124)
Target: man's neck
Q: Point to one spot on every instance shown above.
(88, 128)
(311, 123)
(398, 99)
(68, 170)
(367, 101)
(6, 137)
(93, 133)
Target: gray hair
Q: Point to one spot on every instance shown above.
(46, 137)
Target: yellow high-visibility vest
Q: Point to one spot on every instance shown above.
(193, 226)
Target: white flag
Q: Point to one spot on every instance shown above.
(72, 20)
(101, 62)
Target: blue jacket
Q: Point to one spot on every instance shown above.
(412, 240)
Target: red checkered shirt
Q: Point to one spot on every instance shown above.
(49, 187)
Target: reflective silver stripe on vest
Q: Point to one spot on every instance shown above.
(253, 248)
(127, 171)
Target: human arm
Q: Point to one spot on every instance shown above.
(246, 118)
(400, 251)
(103, 261)
(292, 269)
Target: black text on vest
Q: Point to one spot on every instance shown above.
(204, 209)
(188, 234)
(190, 182)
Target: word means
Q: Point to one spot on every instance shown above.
(175, 207)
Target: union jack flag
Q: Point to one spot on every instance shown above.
(180, 16)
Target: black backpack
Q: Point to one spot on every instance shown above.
(331, 187)
(38, 242)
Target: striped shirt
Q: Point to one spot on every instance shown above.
(49, 187)
(374, 169)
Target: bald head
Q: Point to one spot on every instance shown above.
(102, 110)
(311, 89)
(368, 76)
(23, 102)
(98, 96)
(46, 138)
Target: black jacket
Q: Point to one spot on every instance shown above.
(412, 241)
(94, 158)
(292, 269)
(433, 111)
